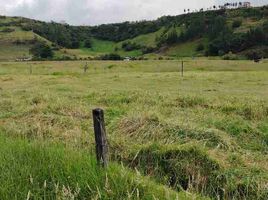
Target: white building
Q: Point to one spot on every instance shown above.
(246, 4)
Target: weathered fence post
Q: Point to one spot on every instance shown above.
(85, 68)
(100, 137)
(31, 69)
(182, 68)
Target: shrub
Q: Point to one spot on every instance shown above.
(255, 54)
(8, 30)
(230, 56)
(26, 28)
(200, 47)
(130, 46)
(111, 56)
(265, 26)
(146, 50)
(237, 23)
(75, 44)
(41, 50)
(88, 43)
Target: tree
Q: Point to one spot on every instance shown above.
(256, 36)
(200, 47)
(237, 23)
(88, 43)
(172, 36)
(75, 44)
(265, 26)
(196, 28)
(217, 26)
(41, 50)
(111, 56)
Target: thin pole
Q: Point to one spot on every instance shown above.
(182, 68)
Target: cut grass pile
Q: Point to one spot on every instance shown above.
(205, 132)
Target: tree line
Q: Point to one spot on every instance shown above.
(222, 38)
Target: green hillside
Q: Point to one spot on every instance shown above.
(231, 34)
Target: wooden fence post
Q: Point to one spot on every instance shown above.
(31, 69)
(100, 137)
(85, 68)
(182, 68)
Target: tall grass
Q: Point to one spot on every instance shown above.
(37, 170)
(205, 132)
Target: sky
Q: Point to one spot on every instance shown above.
(94, 12)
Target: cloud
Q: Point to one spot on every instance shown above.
(93, 12)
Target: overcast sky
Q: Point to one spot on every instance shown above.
(92, 12)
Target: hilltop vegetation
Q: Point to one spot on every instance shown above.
(230, 33)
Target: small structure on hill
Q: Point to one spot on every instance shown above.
(246, 4)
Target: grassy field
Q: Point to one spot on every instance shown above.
(206, 132)
(101, 47)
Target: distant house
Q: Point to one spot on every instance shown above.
(244, 5)
(247, 4)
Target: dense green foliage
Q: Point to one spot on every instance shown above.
(41, 50)
(237, 42)
(222, 37)
(237, 23)
(241, 31)
(63, 35)
(129, 46)
(123, 31)
(88, 43)
(111, 56)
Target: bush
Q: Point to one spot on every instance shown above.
(26, 28)
(221, 53)
(75, 44)
(265, 26)
(237, 23)
(111, 56)
(19, 42)
(255, 54)
(230, 56)
(41, 50)
(88, 43)
(146, 50)
(8, 30)
(200, 47)
(130, 46)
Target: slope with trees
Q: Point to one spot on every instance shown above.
(219, 31)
